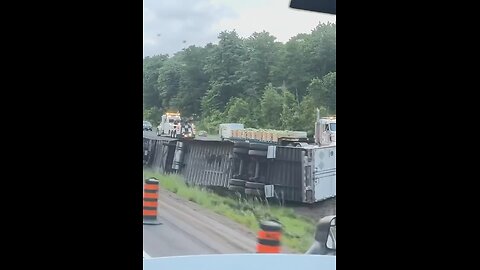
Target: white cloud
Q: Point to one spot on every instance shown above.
(167, 23)
(273, 16)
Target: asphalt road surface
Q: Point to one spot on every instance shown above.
(188, 229)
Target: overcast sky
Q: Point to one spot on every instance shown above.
(171, 25)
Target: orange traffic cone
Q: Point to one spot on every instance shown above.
(150, 202)
(268, 240)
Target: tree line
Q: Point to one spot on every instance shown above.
(257, 81)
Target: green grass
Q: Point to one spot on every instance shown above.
(297, 231)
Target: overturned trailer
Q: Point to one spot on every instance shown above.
(207, 163)
(302, 173)
(158, 154)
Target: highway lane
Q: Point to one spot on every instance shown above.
(187, 229)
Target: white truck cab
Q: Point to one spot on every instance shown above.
(325, 130)
(170, 125)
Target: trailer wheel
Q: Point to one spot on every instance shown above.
(259, 146)
(240, 177)
(242, 145)
(237, 182)
(236, 189)
(254, 185)
(257, 153)
(237, 150)
(259, 179)
(254, 192)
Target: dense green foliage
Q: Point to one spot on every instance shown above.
(256, 81)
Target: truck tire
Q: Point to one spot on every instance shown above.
(236, 189)
(241, 145)
(259, 179)
(238, 150)
(259, 146)
(239, 177)
(254, 192)
(257, 153)
(254, 185)
(236, 182)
